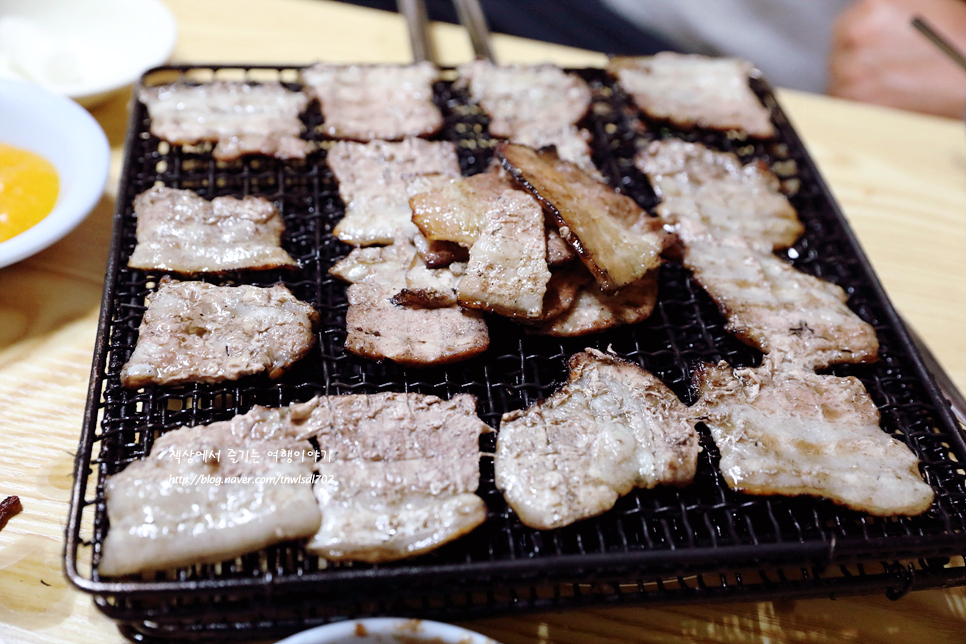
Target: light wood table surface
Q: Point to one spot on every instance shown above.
(901, 179)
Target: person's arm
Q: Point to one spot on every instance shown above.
(878, 57)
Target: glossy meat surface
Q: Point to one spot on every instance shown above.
(198, 332)
(610, 428)
(240, 118)
(793, 432)
(179, 231)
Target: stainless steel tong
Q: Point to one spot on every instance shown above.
(471, 16)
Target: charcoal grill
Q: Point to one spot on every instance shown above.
(698, 544)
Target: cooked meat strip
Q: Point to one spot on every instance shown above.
(179, 231)
(536, 106)
(211, 493)
(793, 432)
(772, 306)
(400, 473)
(692, 90)
(616, 240)
(517, 97)
(367, 102)
(377, 328)
(198, 332)
(612, 427)
(241, 118)
(373, 186)
(593, 310)
(695, 182)
(9, 508)
(507, 271)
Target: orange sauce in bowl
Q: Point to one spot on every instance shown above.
(28, 190)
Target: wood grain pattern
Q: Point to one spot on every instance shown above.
(901, 179)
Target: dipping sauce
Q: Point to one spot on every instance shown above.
(28, 190)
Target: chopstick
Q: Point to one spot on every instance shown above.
(947, 48)
(474, 21)
(418, 22)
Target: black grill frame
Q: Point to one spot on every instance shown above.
(656, 546)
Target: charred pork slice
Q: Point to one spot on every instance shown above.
(241, 118)
(715, 188)
(198, 332)
(507, 271)
(368, 102)
(616, 240)
(379, 328)
(372, 183)
(796, 432)
(612, 427)
(592, 310)
(179, 231)
(211, 493)
(774, 307)
(400, 474)
(692, 90)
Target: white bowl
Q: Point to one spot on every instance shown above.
(84, 49)
(388, 630)
(65, 134)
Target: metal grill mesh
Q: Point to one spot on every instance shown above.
(705, 528)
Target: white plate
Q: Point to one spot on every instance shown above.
(62, 132)
(84, 49)
(388, 630)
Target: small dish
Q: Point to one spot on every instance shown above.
(65, 134)
(84, 49)
(388, 630)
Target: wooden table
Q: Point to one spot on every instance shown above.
(901, 179)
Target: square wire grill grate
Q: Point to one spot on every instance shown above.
(705, 531)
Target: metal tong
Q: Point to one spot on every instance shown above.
(471, 16)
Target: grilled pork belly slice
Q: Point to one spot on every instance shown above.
(241, 118)
(507, 271)
(537, 106)
(520, 97)
(372, 183)
(692, 90)
(592, 310)
(198, 332)
(716, 189)
(610, 428)
(179, 231)
(367, 102)
(616, 240)
(402, 475)
(378, 328)
(792, 432)
(770, 305)
(211, 493)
